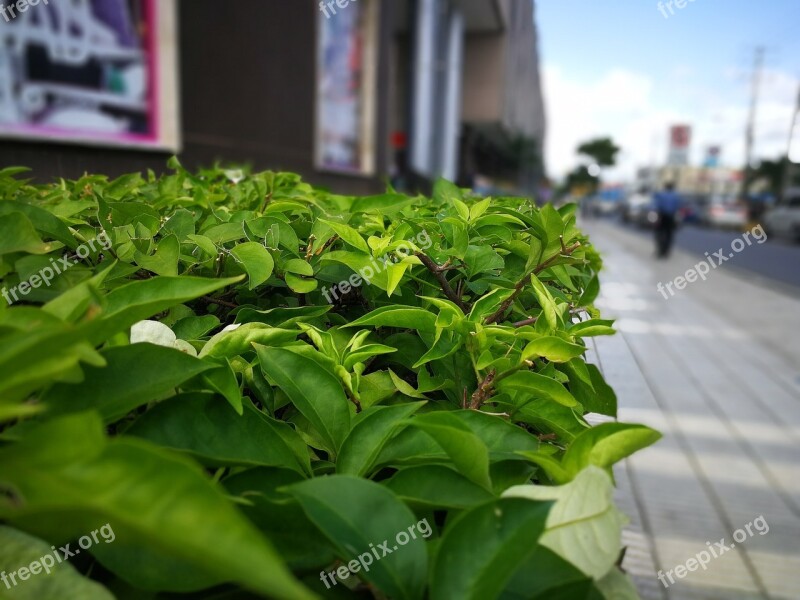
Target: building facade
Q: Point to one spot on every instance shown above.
(349, 93)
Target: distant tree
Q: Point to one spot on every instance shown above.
(772, 171)
(580, 179)
(602, 150)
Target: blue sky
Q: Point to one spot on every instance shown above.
(618, 67)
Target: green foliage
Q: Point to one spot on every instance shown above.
(602, 150)
(255, 381)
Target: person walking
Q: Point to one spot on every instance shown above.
(667, 204)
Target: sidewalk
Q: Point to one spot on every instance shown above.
(715, 368)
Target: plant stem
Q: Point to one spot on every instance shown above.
(439, 272)
(498, 314)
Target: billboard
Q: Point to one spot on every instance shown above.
(713, 154)
(680, 137)
(346, 89)
(100, 72)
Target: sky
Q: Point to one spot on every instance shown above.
(619, 68)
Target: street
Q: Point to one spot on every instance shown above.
(777, 259)
(716, 369)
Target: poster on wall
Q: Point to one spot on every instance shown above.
(99, 72)
(346, 79)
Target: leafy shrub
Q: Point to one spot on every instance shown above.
(185, 382)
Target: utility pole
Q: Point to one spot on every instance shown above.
(758, 66)
(788, 168)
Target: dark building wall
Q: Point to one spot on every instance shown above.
(247, 85)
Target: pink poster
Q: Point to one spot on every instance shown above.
(86, 71)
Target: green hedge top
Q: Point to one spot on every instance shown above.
(255, 383)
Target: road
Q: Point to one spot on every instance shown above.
(776, 259)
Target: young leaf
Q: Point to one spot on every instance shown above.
(315, 392)
(256, 261)
(482, 548)
(355, 514)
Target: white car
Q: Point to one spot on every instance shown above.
(783, 220)
(724, 212)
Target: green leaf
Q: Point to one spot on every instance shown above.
(134, 375)
(260, 492)
(140, 300)
(553, 349)
(538, 386)
(546, 576)
(338, 505)
(72, 304)
(483, 546)
(203, 425)
(17, 234)
(299, 284)
(466, 450)
(606, 444)
(384, 203)
(165, 259)
(314, 391)
(348, 235)
(546, 301)
(26, 367)
(222, 379)
(281, 317)
(43, 220)
(256, 261)
(230, 343)
(592, 327)
(590, 293)
(402, 317)
(374, 428)
(437, 487)
(50, 580)
(174, 529)
(584, 527)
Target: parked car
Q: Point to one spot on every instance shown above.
(634, 208)
(724, 212)
(783, 219)
(692, 208)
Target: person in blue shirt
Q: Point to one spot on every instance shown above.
(667, 204)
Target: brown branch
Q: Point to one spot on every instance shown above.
(326, 245)
(498, 314)
(354, 400)
(439, 272)
(486, 388)
(210, 300)
(528, 321)
(484, 391)
(310, 246)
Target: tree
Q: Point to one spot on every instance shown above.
(602, 151)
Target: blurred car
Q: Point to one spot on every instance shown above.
(634, 208)
(724, 212)
(603, 206)
(692, 208)
(783, 220)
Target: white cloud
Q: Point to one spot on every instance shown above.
(625, 105)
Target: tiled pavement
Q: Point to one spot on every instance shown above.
(716, 369)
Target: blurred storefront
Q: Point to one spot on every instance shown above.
(350, 93)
